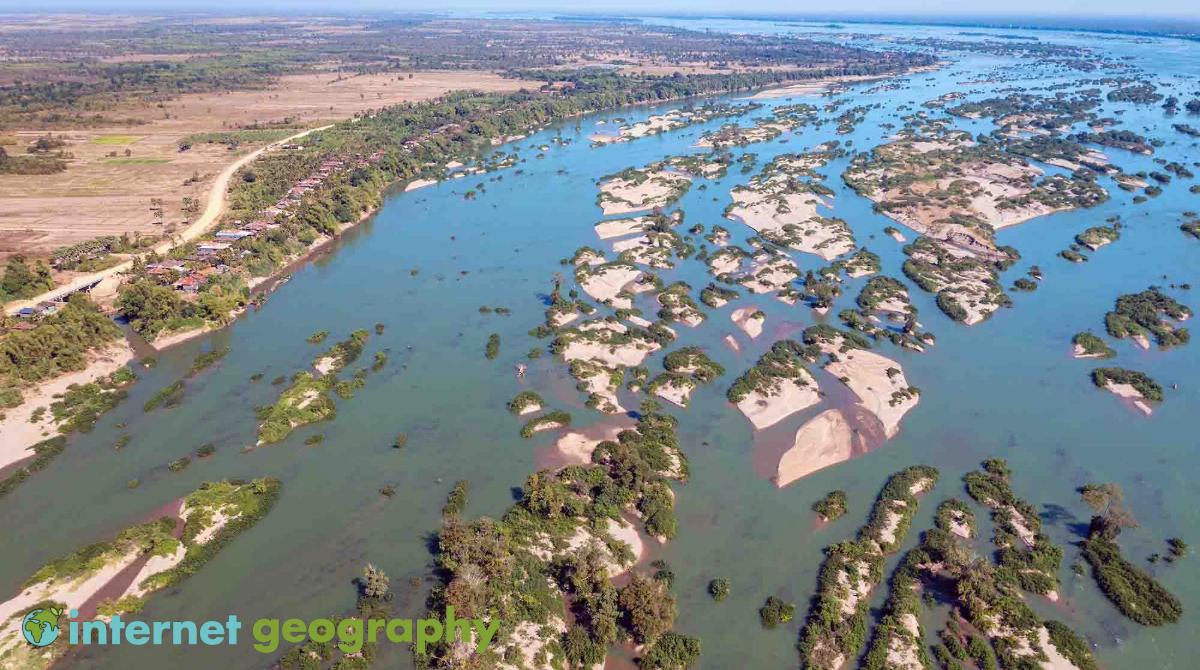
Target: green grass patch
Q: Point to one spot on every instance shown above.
(115, 139)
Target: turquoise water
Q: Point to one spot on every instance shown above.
(1007, 388)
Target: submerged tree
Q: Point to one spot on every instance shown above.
(373, 583)
(1108, 501)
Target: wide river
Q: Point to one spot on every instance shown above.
(1007, 388)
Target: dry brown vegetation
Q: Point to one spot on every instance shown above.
(100, 194)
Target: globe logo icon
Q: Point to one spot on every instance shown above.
(40, 626)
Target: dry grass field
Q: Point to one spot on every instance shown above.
(105, 194)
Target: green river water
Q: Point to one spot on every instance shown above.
(1007, 387)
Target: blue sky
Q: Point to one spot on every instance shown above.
(940, 8)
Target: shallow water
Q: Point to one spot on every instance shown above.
(1007, 387)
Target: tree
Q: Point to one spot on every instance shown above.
(647, 608)
(373, 583)
(149, 306)
(1108, 501)
(719, 589)
(672, 652)
(580, 649)
(22, 282)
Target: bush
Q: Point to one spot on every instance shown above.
(1136, 594)
(719, 589)
(672, 651)
(776, 612)
(832, 506)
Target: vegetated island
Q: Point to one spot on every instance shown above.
(687, 368)
(956, 191)
(1025, 555)
(835, 629)
(137, 562)
(1137, 387)
(1088, 345)
(307, 399)
(560, 546)
(1137, 316)
(1136, 594)
(781, 205)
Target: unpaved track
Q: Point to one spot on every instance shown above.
(212, 212)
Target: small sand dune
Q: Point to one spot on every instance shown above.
(824, 440)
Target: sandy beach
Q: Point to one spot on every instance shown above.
(866, 373)
(787, 399)
(19, 430)
(824, 440)
(1135, 398)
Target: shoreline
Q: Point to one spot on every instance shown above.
(213, 209)
(824, 85)
(18, 428)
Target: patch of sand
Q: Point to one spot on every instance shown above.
(18, 428)
(606, 282)
(678, 395)
(787, 398)
(749, 319)
(822, 441)
(1128, 392)
(866, 373)
(658, 189)
(418, 183)
(577, 446)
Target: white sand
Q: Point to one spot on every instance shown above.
(1128, 392)
(745, 319)
(866, 372)
(1055, 659)
(619, 196)
(419, 183)
(71, 593)
(577, 446)
(624, 531)
(18, 429)
(787, 399)
(824, 440)
(621, 227)
(164, 341)
(891, 522)
(605, 283)
(217, 522)
(624, 355)
(732, 343)
(678, 395)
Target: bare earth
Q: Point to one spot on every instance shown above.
(103, 195)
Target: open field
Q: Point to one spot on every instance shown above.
(106, 192)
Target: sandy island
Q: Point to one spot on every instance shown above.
(750, 320)
(824, 440)
(788, 397)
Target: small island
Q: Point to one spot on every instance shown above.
(1137, 387)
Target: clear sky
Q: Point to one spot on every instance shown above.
(939, 8)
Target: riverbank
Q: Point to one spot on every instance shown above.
(23, 426)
